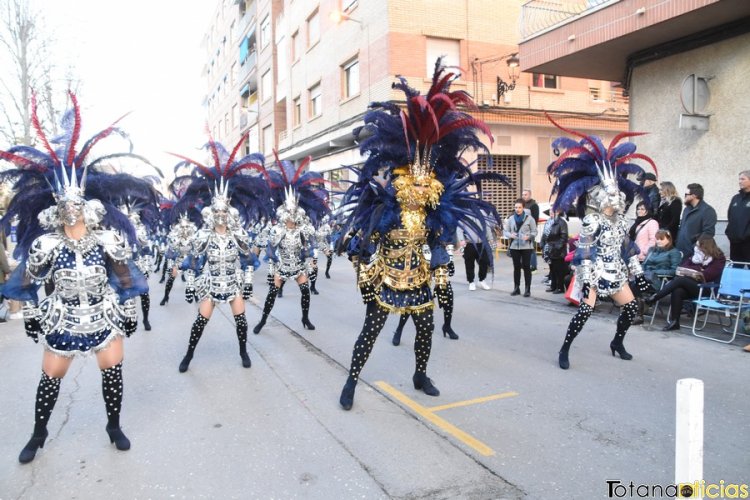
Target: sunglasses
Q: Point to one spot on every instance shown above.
(688, 194)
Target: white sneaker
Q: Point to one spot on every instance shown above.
(16, 315)
(484, 285)
(472, 286)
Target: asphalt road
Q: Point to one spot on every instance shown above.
(508, 423)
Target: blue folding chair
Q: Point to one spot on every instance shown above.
(730, 298)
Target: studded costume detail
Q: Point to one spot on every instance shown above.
(411, 195)
(594, 177)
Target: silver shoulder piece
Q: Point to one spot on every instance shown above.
(634, 266)
(114, 243)
(242, 239)
(41, 253)
(200, 241)
(589, 227)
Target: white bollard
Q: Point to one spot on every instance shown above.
(689, 433)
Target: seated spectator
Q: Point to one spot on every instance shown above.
(706, 258)
(643, 231)
(662, 259)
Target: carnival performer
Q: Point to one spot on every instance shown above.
(220, 266)
(408, 201)
(179, 242)
(588, 174)
(323, 235)
(63, 204)
(301, 200)
(142, 255)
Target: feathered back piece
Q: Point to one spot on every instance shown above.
(293, 187)
(588, 173)
(231, 180)
(429, 137)
(61, 171)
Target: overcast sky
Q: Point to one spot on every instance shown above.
(138, 56)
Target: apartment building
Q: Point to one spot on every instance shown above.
(684, 63)
(298, 75)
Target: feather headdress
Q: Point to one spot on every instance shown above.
(586, 169)
(429, 137)
(230, 180)
(61, 171)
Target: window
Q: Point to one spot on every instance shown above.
(266, 86)
(313, 29)
(296, 47)
(233, 74)
(265, 31)
(235, 116)
(315, 104)
(268, 144)
(296, 112)
(231, 31)
(244, 49)
(544, 81)
(449, 49)
(226, 124)
(350, 78)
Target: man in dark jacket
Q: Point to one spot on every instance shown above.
(698, 218)
(738, 221)
(652, 191)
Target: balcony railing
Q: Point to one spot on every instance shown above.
(248, 116)
(541, 15)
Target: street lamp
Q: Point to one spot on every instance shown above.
(513, 72)
(338, 17)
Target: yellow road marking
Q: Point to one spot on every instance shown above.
(439, 422)
(468, 402)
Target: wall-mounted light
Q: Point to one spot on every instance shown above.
(513, 72)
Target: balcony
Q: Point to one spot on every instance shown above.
(248, 116)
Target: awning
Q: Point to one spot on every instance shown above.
(245, 90)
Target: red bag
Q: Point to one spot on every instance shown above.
(573, 294)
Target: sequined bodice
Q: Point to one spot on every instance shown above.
(80, 278)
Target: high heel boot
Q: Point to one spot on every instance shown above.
(627, 314)
(304, 289)
(448, 332)
(195, 335)
(145, 308)
(46, 397)
(574, 328)
(112, 393)
(346, 400)
(399, 329)
(240, 323)
(273, 292)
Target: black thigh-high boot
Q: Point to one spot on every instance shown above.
(164, 270)
(329, 260)
(273, 290)
(280, 290)
(305, 303)
(375, 317)
(422, 348)
(400, 328)
(159, 256)
(448, 314)
(240, 323)
(313, 277)
(167, 290)
(112, 392)
(574, 328)
(46, 397)
(628, 313)
(145, 308)
(195, 335)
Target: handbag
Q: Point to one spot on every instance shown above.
(690, 273)
(573, 294)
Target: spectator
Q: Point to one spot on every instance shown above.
(532, 206)
(520, 229)
(707, 258)
(643, 231)
(4, 272)
(698, 219)
(662, 260)
(475, 253)
(652, 199)
(738, 221)
(554, 249)
(670, 209)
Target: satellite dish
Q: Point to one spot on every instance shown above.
(694, 94)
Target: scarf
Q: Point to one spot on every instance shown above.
(519, 220)
(638, 221)
(700, 258)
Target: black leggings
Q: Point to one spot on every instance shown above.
(679, 289)
(374, 321)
